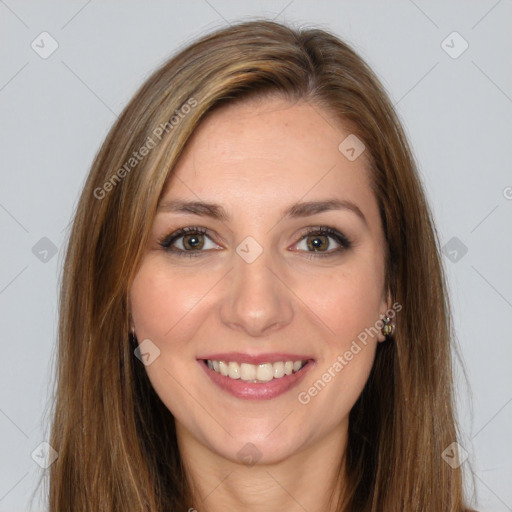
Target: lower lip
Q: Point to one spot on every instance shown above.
(254, 391)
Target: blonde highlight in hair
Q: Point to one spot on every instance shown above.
(115, 438)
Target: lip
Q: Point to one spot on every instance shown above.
(253, 391)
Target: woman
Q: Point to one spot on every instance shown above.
(253, 310)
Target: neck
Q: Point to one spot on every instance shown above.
(307, 480)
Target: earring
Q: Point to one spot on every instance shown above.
(388, 328)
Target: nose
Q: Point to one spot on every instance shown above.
(258, 300)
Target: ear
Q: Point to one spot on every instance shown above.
(131, 324)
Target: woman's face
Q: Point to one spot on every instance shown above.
(258, 287)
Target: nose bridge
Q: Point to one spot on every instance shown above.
(257, 301)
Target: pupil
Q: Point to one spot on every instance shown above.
(193, 241)
(317, 243)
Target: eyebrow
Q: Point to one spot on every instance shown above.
(297, 210)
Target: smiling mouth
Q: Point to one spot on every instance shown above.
(256, 373)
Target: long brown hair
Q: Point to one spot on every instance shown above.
(115, 439)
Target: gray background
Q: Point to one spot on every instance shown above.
(457, 113)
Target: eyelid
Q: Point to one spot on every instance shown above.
(325, 230)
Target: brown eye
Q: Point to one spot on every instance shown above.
(318, 242)
(189, 241)
(193, 241)
(323, 241)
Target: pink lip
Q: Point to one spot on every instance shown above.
(239, 357)
(254, 391)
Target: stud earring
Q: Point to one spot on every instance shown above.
(388, 328)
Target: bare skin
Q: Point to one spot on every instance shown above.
(255, 159)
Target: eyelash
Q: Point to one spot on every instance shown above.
(167, 241)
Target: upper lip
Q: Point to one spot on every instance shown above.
(240, 357)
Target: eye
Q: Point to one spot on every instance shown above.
(193, 241)
(317, 241)
(189, 241)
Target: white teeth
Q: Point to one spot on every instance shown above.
(223, 368)
(247, 371)
(265, 372)
(261, 373)
(234, 370)
(278, 370)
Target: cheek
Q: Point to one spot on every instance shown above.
(350, 307)
(160, 300)
(346, 302)
(164, 306)
(168, 307)
(337, 385)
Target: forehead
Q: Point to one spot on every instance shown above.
(260, 155)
